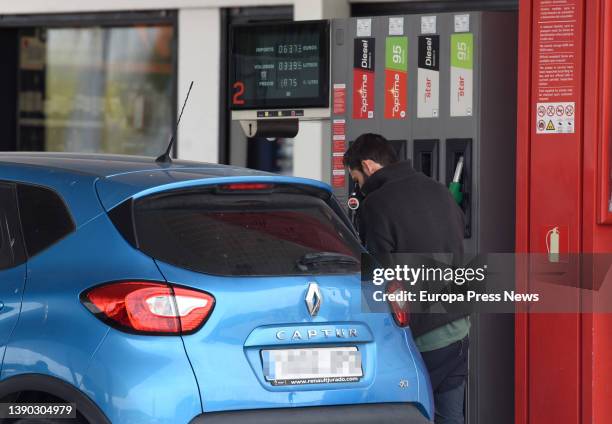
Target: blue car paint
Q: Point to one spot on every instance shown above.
(156, 379)
(11, 291)
(142, 379)
(57, 336)
(116, 189)
(217, 352)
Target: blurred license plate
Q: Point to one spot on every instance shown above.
(312, 366)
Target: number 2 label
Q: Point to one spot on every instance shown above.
(238, 92)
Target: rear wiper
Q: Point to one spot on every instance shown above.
(325, 258)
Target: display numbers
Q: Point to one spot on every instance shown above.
(290, 66)
(288, 82)
(289, 49)
(279, 65)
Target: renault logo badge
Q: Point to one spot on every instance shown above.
(313, 299)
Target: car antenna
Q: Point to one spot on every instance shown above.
(165, 158)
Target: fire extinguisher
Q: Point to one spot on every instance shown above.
(552, 244)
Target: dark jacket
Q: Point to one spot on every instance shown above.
(404, 211)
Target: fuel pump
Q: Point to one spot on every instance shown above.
(433, 83)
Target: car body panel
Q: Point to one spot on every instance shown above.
(12, 266)
(138, 379)
(101, 165)
(114, 190)
(73, 176)
(57, 336)
(11, 290)
(218, 351)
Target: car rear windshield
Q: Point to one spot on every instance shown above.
(240, 234)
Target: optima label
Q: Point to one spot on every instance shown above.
(396, 77)
(363, 78)
(428, 78)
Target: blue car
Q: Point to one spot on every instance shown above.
(191, 293)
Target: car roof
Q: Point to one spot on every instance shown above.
(106, 165)
(87, 180)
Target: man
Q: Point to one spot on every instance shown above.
(405, 211)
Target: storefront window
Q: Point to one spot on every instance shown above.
(96, 89)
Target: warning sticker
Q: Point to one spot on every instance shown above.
(339, 99)
(337, 161)
(555, 118)
(364, 27)
(462, 23)
(556, 50)
(338, 127)
(396, 25)
(338, 178)
(338, 145)
(428, 25)
(556, 65)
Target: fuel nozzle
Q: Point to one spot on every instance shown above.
(353, 203)
(455, 185)
(354, 200)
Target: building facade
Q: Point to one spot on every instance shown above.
(111, 76)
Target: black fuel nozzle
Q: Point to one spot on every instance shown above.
(354, 199)
(353, 203)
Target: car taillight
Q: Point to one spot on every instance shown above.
(149, 307)
(399, 309)
(246, 186)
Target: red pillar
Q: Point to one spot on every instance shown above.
(564, 361)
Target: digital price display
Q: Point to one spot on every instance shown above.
(282, 65)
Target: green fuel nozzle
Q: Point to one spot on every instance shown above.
(455, 185)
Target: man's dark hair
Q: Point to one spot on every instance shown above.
(369, 146)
